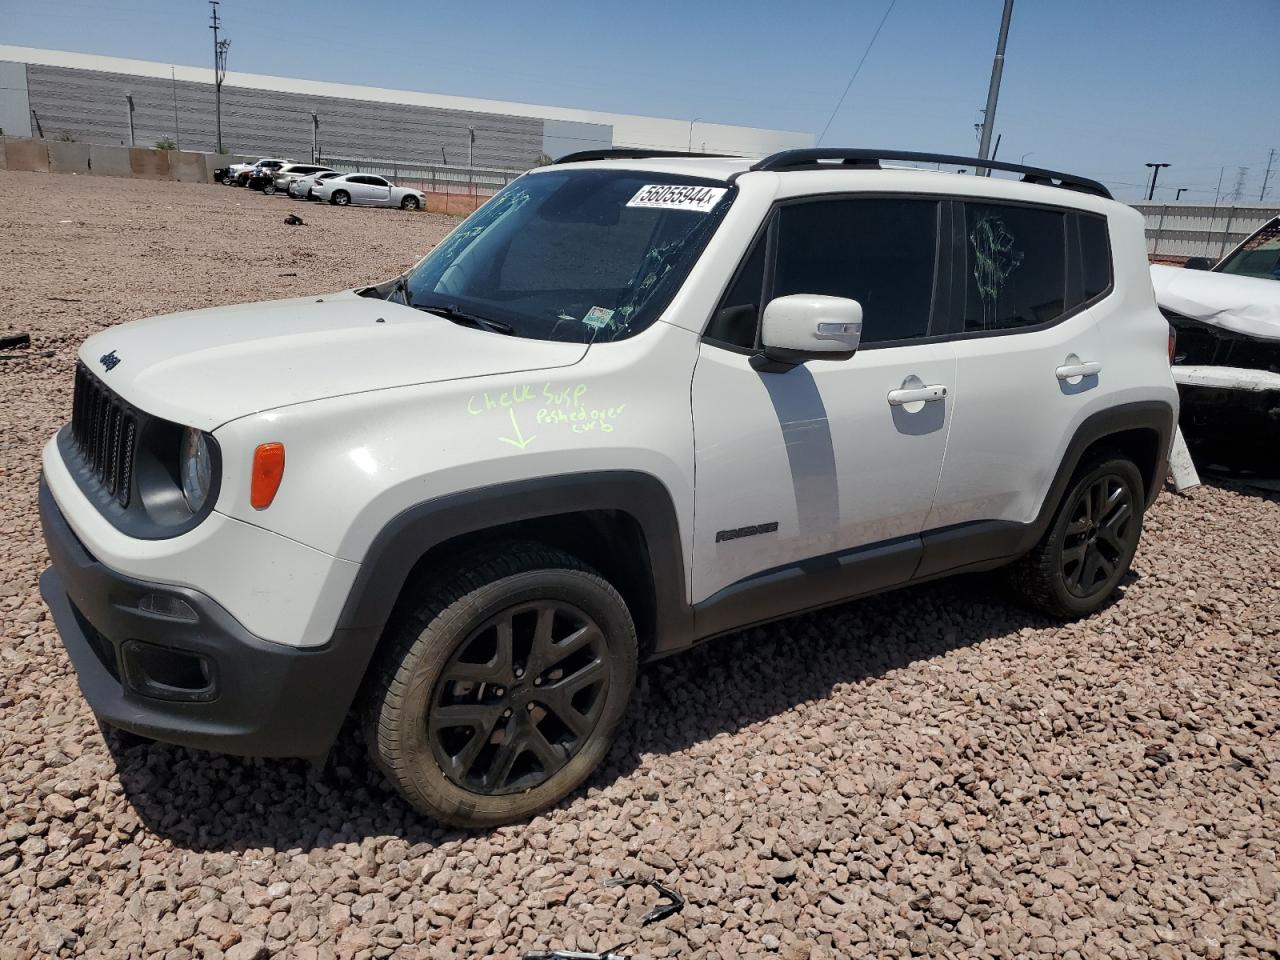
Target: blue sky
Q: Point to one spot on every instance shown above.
(1094, 87)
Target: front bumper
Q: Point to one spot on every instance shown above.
(202, 680)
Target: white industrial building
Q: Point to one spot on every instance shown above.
(97, 99)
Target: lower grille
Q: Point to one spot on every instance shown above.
(105, 430)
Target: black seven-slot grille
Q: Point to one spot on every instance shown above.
(105, 430)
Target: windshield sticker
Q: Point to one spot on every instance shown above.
(674, 196)
(597, 317)
(527, 408)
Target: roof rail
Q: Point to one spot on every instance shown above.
(820, 158)
(629, 154)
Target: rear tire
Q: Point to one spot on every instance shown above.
(503, 688)
(269, 188)
(1081, 559)
(340, 198)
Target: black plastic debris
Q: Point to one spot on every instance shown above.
(15, 341)
(671, 903)
(294, 220)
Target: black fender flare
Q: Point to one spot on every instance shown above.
(414, 532)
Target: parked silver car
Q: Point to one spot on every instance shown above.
(368, 189)
(291, 172)
(301, 189)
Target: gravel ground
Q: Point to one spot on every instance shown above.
(933, 772)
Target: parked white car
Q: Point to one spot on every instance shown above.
(631, 403)
(369, 190)
(291, 172)
(231, 176)
(303, 187)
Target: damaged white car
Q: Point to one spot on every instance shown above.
(1226, 363)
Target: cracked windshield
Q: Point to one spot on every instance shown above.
(574, 255)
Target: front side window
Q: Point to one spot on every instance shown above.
(1017, 266)
(574, 255)
(880, 252)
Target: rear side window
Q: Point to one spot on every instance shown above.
(880, 252)
(1016, 266)
(1095, 255)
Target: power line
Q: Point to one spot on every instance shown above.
(857, 70)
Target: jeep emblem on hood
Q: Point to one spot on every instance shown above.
(109, 360)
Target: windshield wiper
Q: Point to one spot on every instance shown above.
(451, 312)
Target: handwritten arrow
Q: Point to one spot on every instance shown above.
(521, 441)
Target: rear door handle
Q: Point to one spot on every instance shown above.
(907, 395)
(1078, 368)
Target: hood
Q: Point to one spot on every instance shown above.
(203, 368)
(1246, 305)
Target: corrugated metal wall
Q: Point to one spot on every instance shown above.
(91, 107)
(1201, 229)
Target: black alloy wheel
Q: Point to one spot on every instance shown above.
(519, 697)
(1101, 534)
(500, 686)
(1085, 552)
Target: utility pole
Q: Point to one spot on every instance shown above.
(993, 92)
(128, 99)
(1155, 172)
(177, 131)
(315, 137)
(1266, 176)
(220, 48)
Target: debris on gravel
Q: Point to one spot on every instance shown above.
(935, 772)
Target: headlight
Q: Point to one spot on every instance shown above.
(195, 468)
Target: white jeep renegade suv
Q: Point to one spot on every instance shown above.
(631, 403)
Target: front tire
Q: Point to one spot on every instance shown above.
(502, 690)
(340, 198)
(409, 203)
(1078, 564)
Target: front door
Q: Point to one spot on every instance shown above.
(801, 467)
(379, 192)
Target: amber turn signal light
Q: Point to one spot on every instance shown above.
(268, 471)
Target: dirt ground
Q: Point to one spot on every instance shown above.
(935, 772)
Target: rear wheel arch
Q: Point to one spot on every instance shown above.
(1140, 431)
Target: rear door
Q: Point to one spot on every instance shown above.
(1029, 361)
(800, 467)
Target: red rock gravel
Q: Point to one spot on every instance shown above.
(936, 772)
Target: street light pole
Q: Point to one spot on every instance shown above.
(1178, 196)
(1155, 172)
(1023, 161)
(993, 91)
(691, 123)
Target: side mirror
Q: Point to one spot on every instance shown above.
(807, 326)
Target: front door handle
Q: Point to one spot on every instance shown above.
(1078, 368)
(907, 395)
